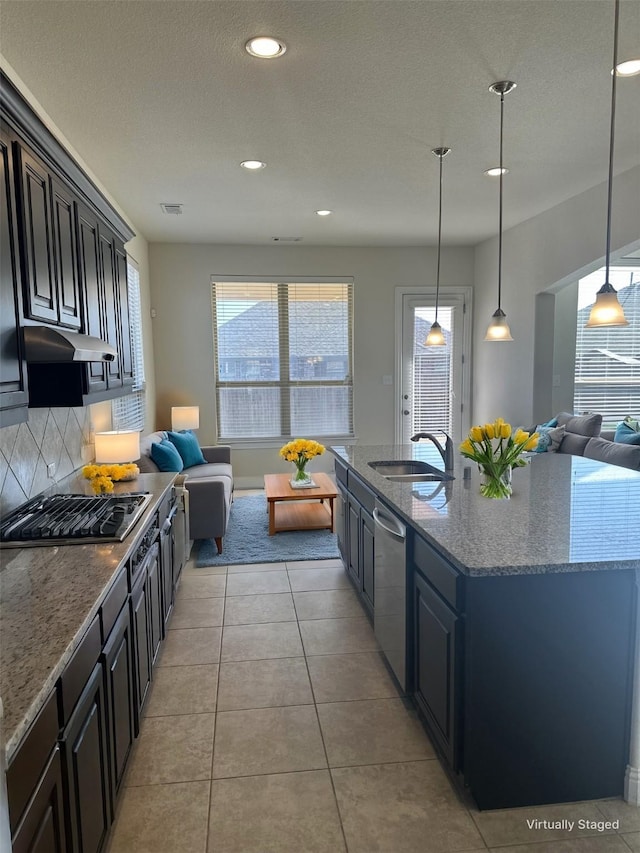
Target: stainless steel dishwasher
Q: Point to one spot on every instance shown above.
(390, 586)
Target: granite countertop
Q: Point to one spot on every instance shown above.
(566, 513)
(48, 598)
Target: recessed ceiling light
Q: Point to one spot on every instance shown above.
(265, 47)
(496, 171)
(628, 69)
(324, 212)
(253, 165)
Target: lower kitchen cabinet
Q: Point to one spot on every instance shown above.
(356, 534)
(167, 565)
(437, 659)
(86, 767)
(367, 556)
(353, 536)
(117, 656)
(156, 621)
(141, 646)
(42, 829)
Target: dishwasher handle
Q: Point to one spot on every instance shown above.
(399, 533)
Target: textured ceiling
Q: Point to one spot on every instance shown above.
(162, 102)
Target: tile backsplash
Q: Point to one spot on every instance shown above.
(58, 435)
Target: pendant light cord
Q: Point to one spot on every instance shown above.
(611, 139)
(441, 158)
(500, 214)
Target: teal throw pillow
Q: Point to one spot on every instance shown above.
(166, 457)
(187, 446)
(626, 434)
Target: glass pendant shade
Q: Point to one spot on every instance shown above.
(435, 338)
(498, 329)
(606, 310)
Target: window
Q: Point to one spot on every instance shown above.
(129, 412)
(607, 371)
(283, 359)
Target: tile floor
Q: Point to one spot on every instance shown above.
(273, 726)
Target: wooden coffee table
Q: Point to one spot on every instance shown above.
(299, 509)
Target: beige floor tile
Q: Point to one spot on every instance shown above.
(340, 678)
(402, 808)
(197, 613)
(256, 642)
(327, 604)
(296, 565)
(207, 586)
(337, 636)
(162, 819)
(513, 826)
(192, 572)
(257, 567)
(257, 583)
(263, 684)
(253, 609)
(303, 580)
(372, 731)
(182, 690)
(628, 815)
(287, 813)
(632, 840)
(185, 646)
(269, 740)
(602, 844)
(172, 749)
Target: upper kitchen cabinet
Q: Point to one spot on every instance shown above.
(13, 373)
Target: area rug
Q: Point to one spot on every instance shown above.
(247, 539)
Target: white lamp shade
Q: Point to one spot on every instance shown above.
(116, 447)
(185, 417)
(498, 329)
(606, 310)
(435, 338)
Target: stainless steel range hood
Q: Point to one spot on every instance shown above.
(44, 345)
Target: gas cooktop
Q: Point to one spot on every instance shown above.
(68, 519)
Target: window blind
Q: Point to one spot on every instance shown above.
(283, 363)
(432, 373)
(607, 369)
(128, 412)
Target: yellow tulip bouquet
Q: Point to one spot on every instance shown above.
(102, 477)
(497, 449)
(300, 451)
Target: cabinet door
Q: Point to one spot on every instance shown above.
(125, 347)
(141, 646)
(156, 621)
(111, 325)
(86, 763)
(367, 541)
(118, 661)
(91, 288)
(41, 302)
(13, 375)
(66, 259)
(41, 829)
(353, 534)
(166, 565)
(437, 650)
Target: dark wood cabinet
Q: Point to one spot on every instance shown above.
(437, 666)
(359, 540)
(66, 256)
(118, 664)
(141, 646)
(110, 304)
(353, 554)
(156, 622)
(42, 828)
(89, 264)
(125, 345)
(367, 556)
(167, 561)
(13, 371)
(86, 766)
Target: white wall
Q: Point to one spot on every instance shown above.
(551, 249)
(182, 329)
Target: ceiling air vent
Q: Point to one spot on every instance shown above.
(175, 209)
(286, 239)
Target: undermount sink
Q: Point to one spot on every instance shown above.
(409, 471)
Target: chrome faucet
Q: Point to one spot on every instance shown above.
(447, 453)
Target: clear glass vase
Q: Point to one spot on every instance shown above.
(301, 477)
(496, 485)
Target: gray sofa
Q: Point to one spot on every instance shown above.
(583, 437)
(210, 488)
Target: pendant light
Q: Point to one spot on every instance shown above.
(606, 310)
(435, 338)
(498, 329)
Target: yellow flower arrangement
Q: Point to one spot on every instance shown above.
(102, 477)
(300, 451)
(497, 449)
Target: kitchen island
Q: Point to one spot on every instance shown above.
(520, 617)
